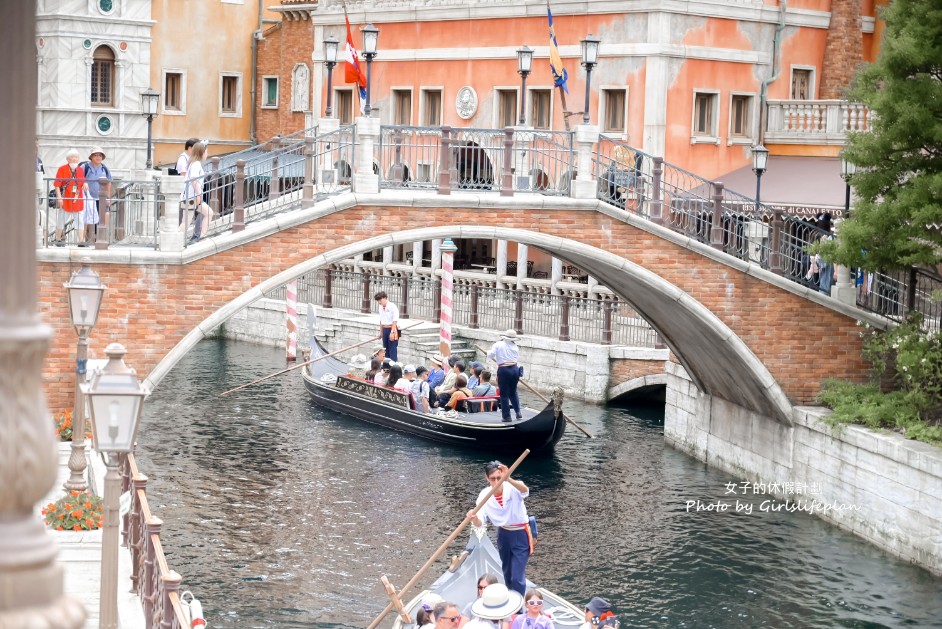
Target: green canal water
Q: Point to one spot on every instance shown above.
(281, 514)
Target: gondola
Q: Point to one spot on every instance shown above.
(330, 385)
(459, 584)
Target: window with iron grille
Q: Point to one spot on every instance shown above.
(402, 107)
(102, 88)
(540, 101)
(431, 108)
(614, 102)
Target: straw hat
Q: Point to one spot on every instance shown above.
(497, 602)
(510, 335)
(97, 149)
(438, 359)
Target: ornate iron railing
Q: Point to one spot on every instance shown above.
(152, 580)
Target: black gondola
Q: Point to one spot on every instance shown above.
(330, 386)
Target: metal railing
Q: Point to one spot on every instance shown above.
(152, 580)
(125, 214)
(409, 157)
(544, 161)
(594, 320)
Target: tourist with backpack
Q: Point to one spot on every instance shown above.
(95, 170)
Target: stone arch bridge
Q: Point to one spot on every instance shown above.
(743, 334)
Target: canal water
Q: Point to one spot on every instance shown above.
(280, 514)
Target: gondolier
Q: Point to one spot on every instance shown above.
(507, 356)
(506, 510)
(389, 325)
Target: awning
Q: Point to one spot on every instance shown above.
(794, 183)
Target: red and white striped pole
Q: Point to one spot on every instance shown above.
(291, 302)
(448, 250)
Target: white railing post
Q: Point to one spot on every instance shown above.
(585, 186)
(364, 181)
(171, 237)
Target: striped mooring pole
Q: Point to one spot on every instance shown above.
(291, 303)
(448, 250)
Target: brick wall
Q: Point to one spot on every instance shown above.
(843, 49)
(284, 46)
(627, 369)
(150, 307)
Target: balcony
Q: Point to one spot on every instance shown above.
(815, 122)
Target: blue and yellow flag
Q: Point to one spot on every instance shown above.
(560, 76)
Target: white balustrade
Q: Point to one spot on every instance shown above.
(814, 121)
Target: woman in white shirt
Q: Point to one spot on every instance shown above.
(193, 193)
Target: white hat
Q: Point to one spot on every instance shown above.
(497, 602)
(438, 359)
(357, 361)
(97, 149)
(377, 349)
(408, 369)
(509, 334)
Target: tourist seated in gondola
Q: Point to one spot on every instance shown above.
(484, 580)
(474, 377)
(533, 616)
(420, 390)
(462, 392)
(484, 390)
(449, 386)
(382, 377)
(376, 367)
(598, 614)
(393, 376)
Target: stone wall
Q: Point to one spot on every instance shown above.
(843, 49)
(877, 485)
(587, 372)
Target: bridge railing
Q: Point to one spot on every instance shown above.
(595, 320)
(152, 580)
(409, 157)
(126, 214)
(545, 161)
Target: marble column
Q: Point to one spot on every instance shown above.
(522, 254)
(417, 249)
(501, 260)
(31, 588)
(436, 255)
(387, 258)
(556, 274)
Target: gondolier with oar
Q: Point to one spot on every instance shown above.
(506, 510)
(388, 324)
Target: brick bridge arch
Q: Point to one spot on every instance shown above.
(743, 334)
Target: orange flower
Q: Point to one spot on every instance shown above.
(89, 523)
(61, 516)
(59, 528)
(88, 505)
(77, 527)
(77, 513)
(75, 493)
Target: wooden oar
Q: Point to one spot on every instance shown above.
(314, 360)
(441, 549)
(396, 601)
(545, 399)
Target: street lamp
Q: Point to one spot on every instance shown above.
(115, 399)
(370, 36)
(524, 64)
(330, 57)
(848, 168)
(760, 160)
(149, 101)
(85, 292)
(590, 57)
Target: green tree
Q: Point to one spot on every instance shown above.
(897, 219)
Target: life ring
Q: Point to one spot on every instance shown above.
(193, 609)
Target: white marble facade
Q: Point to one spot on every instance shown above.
(67, 34)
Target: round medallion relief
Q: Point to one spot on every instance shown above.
(466, 102)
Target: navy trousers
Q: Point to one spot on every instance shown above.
(392, 347)
(514, 550)
(507, 379)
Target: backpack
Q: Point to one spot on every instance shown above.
(86, 164)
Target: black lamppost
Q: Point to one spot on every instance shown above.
(330, 57)
(760, 161)
(524, 64)
(590, 56)
(848, 168)
(150, 98)
(370, 36)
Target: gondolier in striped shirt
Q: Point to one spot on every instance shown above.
(389, 325)
(506, 510)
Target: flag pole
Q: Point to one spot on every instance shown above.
(562, 91)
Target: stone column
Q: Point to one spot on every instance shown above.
(522, 254)
(585, 186)
(387, 258)
(556, 274)
(845, 291)
(364, 181)
(326, 175)
(31, 589)
(169, 236)
(501, 262)
(757, 235)
(436, 255)
(417, 249)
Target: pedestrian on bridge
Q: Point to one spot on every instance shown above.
(388, 325)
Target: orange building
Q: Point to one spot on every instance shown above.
(684, 81)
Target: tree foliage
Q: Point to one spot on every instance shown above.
(897, 219)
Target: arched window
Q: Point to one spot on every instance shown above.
(103, 76)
